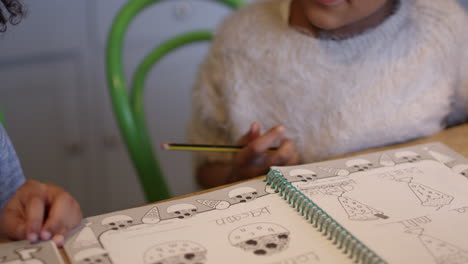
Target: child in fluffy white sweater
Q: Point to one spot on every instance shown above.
(327, 77)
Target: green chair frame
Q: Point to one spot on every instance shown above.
(128, 103)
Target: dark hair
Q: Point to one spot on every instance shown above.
(11, 12)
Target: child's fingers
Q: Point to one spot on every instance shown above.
(254, 153)
(59, 240)
(253, 160)
(13, 225)
(34, 210)
(267, 140)
(253, 133)
(31, 197)
(262, 143)
(285, 153)
(59, 235)
(64, 214)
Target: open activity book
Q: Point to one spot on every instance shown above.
(406, 205)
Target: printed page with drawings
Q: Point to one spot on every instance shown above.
(244, 223)
(408, 205)
(23, 252)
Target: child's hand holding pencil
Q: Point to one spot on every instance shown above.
(255, 153)
(255, 159)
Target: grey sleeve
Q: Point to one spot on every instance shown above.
(11, 174)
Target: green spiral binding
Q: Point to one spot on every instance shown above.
(323, 222)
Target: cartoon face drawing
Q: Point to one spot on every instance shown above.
(85, 238)
(27, 252)
(337, 189)
(386, 160)
(182, 211)
(407, 156)
(243, 194)
(262, 239)
(117, 222)
(303, 175)
(26, 256)
(359, 165)
(334, 171)
(92, 256)
(215, 204)
(461, 169)
(175, 252)
(152, 216)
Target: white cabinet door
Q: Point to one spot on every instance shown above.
(40, 101)
(44, 96)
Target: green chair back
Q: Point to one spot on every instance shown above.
(128, 103)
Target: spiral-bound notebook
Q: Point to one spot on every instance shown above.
(400, 206)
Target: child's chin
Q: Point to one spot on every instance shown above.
(328, 24)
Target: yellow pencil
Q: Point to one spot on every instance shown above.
(204, 147)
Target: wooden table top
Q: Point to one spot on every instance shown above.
(455, 138)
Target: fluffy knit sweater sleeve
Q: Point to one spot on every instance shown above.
(405, 78)
(210, 121)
